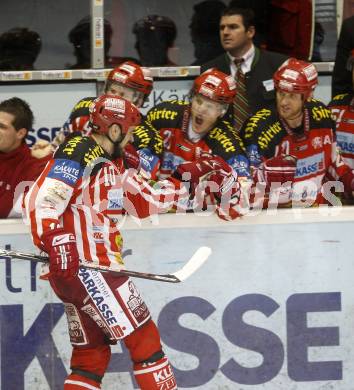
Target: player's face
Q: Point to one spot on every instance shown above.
(130, 94)
(233, 35)
(10, 138)
(204, 113)
(290, 105)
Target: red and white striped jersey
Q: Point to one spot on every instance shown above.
(84, 192)
(342, 107)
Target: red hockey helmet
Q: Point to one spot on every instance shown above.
(132, 75)
(107, 110)
(216, 86)
(296, 76)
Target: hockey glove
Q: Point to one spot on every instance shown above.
(278, 169)
(199, 170)
(62, 251)
(131, 157)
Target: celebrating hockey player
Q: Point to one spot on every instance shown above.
(292, 149)
(342, 107)
(189, 129)
(72, 209)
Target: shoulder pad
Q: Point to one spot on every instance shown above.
(166, 112)
(257, 122)
(81, 149)
(343, 99)
(81, 108)
(224, 141)
(320, 114)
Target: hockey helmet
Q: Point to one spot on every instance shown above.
(296, 76)
(82, 32)
(131, 75)
(19, 48)
(157, 23)
(216, 86)
(107, 110)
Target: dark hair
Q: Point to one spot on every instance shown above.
(19, 48)
(206, 17)
(23, 116)
(247, 15)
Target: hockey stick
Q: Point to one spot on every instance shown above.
(196, 261)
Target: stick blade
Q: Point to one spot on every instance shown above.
(195, 262)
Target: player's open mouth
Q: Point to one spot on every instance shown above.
(199, 120)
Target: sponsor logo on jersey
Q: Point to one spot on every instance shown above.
(317, 142)
(76, 330)
(148, 160)
(161, 114)
(71, 145)
(99, 294)
(93, 153)
(183, 147)
(171, 161)
(223, 139)
(143, 138)
(97, 232)
(301, 147)
(241, 165)
(83, 103)
(252, 122)
(115, 199)
(253, 155)
(345, 142)
(309, 165)
(68, 171)
(266, 136)
(320, 112)
(136, 304)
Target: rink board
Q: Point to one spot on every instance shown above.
(273, 307)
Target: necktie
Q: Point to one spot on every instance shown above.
(240, 105)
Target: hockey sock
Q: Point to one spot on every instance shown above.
(78, 382)
(155, 376)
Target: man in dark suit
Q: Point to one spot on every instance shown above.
(237, 30)
(342, 77)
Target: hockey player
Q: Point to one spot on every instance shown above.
(342, 107)
(292, 149)
(189, 129)
(128, 80)
(133, 83)
(71, 209)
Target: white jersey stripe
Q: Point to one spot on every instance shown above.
(151, 369)
(81, 384)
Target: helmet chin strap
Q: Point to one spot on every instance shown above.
(117, 151)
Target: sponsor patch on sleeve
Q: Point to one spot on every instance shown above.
(67, 171)
(241, 165)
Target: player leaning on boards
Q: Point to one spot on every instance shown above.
(72, 209)
(292, 148)
(174, 132)
(128, 80)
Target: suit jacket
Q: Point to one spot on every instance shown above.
(341, 77)
(265, 63)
